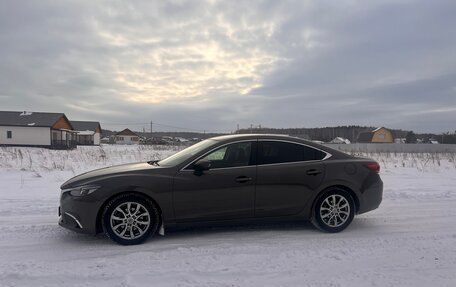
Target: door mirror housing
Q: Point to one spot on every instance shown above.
(201, 166)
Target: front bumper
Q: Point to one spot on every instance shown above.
(78, 213)
(70, 221)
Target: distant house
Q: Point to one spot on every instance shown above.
(51, 130)
(126, 137)
(340, 140)
(105, 140)
(89, 133)
(379, 135)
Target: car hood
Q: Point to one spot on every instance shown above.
(94, 175)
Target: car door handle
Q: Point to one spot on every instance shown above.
(313, 172)
(243, 179)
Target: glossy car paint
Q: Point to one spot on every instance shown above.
(284, 191)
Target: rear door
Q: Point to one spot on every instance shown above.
(288, 174)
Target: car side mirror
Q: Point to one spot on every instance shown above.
(200, 166)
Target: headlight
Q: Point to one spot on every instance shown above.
(81, 190)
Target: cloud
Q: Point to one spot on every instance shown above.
(210, 65)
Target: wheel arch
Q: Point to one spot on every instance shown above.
(336, 186)
(99, 224)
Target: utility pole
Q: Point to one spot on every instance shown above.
(251, 126)
(151, 128)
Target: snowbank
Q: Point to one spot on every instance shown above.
(408, 241)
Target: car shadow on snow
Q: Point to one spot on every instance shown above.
(71, 237)
(360, 225)
(245, 229)
(184, 234)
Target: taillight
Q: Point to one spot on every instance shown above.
(375, 167)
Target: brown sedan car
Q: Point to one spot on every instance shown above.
(230, 179)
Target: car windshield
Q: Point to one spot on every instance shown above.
(185, 154)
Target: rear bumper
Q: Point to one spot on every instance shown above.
(371, 197)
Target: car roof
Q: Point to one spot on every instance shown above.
(254, 136)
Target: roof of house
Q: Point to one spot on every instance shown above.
(379, 128)
(86, 133)
(126, 132)
(31, 119)
(85, 125)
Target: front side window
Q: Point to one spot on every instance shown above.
(9, 134)
(187, 153)
(233, 155)
(271, 152)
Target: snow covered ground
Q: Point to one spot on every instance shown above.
(409, 241)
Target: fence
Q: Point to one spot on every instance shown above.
(394, 147)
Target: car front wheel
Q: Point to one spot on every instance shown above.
(334, 210)
(130, 219)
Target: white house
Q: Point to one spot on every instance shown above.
(340, 140)
(126, 137)
(52, 130)
(88, 133)
(400, 140)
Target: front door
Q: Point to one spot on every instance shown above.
(225, 191)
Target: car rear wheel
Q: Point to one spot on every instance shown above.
(334, 210)
(130, 219)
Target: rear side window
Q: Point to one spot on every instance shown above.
(282, 152)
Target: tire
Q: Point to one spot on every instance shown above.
(334, 210)
(130, 219)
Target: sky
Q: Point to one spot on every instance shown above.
(212, 65)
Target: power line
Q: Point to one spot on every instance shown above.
(162, 125)
(124, 124)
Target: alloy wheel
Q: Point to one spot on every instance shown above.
(130, 220)
(335, 210)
